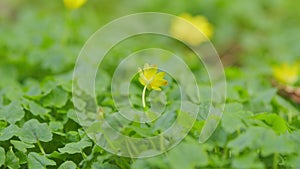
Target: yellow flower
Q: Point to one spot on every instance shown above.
(74, 4)
(187, 32)
(287, 74)
(150, 78)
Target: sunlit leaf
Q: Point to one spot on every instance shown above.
(277, 123)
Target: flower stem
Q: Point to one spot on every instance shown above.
(41, 147)
(143, 96)
(275, 161)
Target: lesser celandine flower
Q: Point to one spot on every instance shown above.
(286, 74)
(150, 78)
(74, 4)
(191, 33)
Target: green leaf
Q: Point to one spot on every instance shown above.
(57, 155)
(36, 109)
(37, 161)
(148, 163)
(34, 90)
(265, 96)
(22, 157)
(12, 161)
(12, 112)
(21, 146)
(14, 92)
(48, 85)
(2, 156)
(67, 165)
(3, 124)
(8, 132)
(72, 115)
(285, 105)
(56, 125)
(273, 143)
(56, 98)
(232, 119)
(295, 161)
(277, 123)
(104, 166)
(77, 147)
(34, 131)
(250, 139)
(188, 155)
(264, 139)
(247, 161)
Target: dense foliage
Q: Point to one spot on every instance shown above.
(39, 44)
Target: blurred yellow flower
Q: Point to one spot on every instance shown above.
(287, 74)
(150, 79)
(187, 32)
(74, 4)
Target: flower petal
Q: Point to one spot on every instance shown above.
(156, 88)
(142, 81)
(159, 83)
(150, 78)
(160, 75)
(150, 72)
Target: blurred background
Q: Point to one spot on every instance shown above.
(244, 31)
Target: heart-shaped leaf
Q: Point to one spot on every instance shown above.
(37, 161)
(34, 131)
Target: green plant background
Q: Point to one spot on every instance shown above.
(39, 43)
